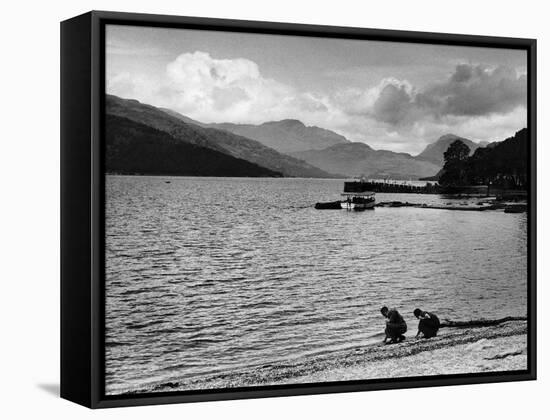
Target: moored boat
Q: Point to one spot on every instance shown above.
(331, 205)
(357, 198)
(359, 201)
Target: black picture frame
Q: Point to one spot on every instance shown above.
(82, 207)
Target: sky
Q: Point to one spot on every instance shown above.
(392, 96)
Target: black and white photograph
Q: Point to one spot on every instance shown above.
(284, 209)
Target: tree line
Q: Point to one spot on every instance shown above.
(502, 164)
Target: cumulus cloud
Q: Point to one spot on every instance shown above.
(214, 90)
(473, 101)
(477, 90)
(393, 105)
(469, 91)
(201, 83)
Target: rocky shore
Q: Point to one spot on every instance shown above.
(496, 348)
(460, 347)
(488, 204)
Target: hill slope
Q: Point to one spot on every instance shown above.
(183, 117)
(434, 151)
(134, 148)
(356, 159)
(287, 135)
(219, 140)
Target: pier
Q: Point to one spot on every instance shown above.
(434, 188)
(391, 187)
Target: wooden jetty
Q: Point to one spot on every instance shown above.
(390, 187)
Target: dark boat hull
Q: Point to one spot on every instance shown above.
(332, 205)
(339, 205)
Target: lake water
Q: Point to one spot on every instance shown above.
(215, 275)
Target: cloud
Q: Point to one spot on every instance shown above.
(474, 101)
(200, 82)
(215, 90)
(477, 91)
(393, 105)
(470, 90)
(135, 86)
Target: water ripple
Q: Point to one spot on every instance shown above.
(208, 275)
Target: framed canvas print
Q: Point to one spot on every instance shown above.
(255, 209)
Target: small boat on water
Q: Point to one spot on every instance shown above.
(331, 205)
(357, 198)
(359, 201)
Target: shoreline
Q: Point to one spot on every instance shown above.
(483, 205)
(457, 349)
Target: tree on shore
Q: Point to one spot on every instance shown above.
(456, 162)
(503, 164)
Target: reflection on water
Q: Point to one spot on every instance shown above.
(215, 274)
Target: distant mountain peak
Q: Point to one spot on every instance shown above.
(286, 136)
(448, 136)
(289, 122)
(352, 146)
(358, 158)
(434, 151)
(181, 129)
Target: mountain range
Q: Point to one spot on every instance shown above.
(358, 159)
(134, 148)
(218, 140)
(286, 136)
(334, 153)
(276, 148)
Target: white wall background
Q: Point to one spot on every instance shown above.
(29, 292)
